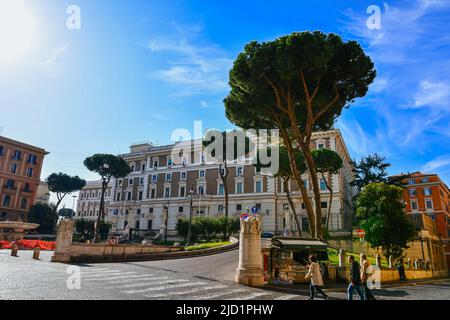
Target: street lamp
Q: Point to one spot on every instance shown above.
(167, 221)
(191, 195)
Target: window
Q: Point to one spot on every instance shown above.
(29, 172)
(153, 193)
(323, 185)
(414, 206)
(183, 176)
(140, 195)
(6, 200)
(129, 196)
(168, 177)
(180, 209)
(130, 182)
(320, 146)
(221, 172)
(305, 225)
(1, 150)
(120, 182)
(221, 189)
(143, 167)
(169, 162)
(23, 203)
(13, 168)
(324, 204)
(10, 184)
(239, 171)
(220, 208)
(238, 207)
(429, 204)
(258, 186)
(167, 193)
(150, 210)
(17, 155)
(155, 164)
(427, 192)
(201, 189)
(412, 181)
(239, 187)
(26, 188)
(118, 196)
(32, 159)
(412, 192)
(425, 180)
(182, 191)
(258, 207)
(132, 168)
(305, 182)
(154, 178)
(303, 206)
(202, 173)
(141, 181)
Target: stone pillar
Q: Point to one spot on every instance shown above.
(63, 241)
(378, 260)
(341, 258)
(14, 250)
(391, 260)
(416, 264)
(249, 271)
(36, 253)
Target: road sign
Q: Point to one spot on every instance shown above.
(361, 233)
(244, 216)
(254, 209)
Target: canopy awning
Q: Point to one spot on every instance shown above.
(299, 244)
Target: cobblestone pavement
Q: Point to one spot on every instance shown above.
(200, 278)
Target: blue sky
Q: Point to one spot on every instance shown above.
(137, 70)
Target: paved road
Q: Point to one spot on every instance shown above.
(209, 277)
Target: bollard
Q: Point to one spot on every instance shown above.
(36, 253)
(416, 264)
(341, 258)
(361, 260)
(378, 260)
(409, 263)
(14, 250)
(391, 259)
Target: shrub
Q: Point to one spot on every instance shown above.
(207, 228)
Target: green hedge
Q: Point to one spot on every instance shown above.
(208, 228)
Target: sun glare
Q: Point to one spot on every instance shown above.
(17, 30)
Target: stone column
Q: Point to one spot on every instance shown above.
(341, 258)
(249, 271)
(378, 260)
(63, 241)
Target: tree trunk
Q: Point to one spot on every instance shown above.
(101, 213)
(315, 182)
(330, 189)
(297, 176)
(291, 204)
(225, 191)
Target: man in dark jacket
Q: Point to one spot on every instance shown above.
(355, 279)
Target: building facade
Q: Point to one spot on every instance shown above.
(20, 171)
(88, 204)
(428, 194)
(43, 193)
(159, 189)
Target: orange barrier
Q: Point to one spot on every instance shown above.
(29, 244)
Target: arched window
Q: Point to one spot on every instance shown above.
(6, 200)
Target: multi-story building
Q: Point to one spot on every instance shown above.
(428, 194)
(20, 171)
(159, 190)
(43, 193)
(88, 204)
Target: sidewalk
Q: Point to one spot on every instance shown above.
(303, 288)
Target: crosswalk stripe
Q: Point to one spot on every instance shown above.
(215, 296)
(99, 272)
(252, 296)
(106, 275)
(125, 281)
(286, 297)
(182, 285)
(131, 277)
(181, 293)
(144, 284)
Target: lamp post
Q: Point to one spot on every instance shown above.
(191, 195)
(73, 206)
(167, 221)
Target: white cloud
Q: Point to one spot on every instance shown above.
(437, 163)
(56, 53)
(193, 68)
(159, 117)
(433, 93)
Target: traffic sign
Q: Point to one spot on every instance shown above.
(254, 209)
(361, 233)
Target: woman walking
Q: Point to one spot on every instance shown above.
(316, 278)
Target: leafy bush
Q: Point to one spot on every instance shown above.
(45, 216)
(207, 228)
(208, 245)
(87, 228)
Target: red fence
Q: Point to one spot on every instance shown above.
(29, 244)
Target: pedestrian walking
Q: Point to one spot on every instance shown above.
(315, 276)
(355, 279)
(401, 271)
(365, 274)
